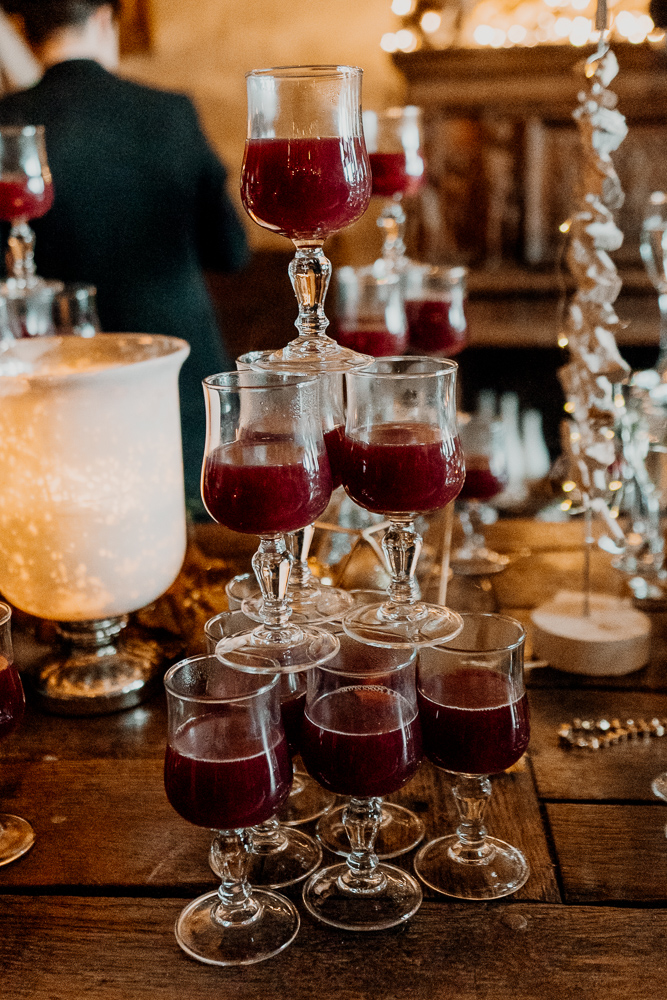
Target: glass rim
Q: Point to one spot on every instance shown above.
(282, 380)
(331, 668)
(325, 71)
(444, 367)
(202, 699)
(5, 613)
(21, 130)
(447, 647)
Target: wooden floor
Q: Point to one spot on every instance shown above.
(89, 911)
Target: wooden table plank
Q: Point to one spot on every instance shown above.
(107, 823)
(624, 771)
(54, 948)
(609, 852)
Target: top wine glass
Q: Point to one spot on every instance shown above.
(26, 192)
(306, 176)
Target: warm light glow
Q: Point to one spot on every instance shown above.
(581, 29)
(615, 484)
(517, 33)
(498, 39)
(388, 42)
(430, 21)
(569, 407)
(483, 34)
(580, 4)
(563, 341)
(565, 226)
(406, 40)
(563, 27)
(568, 486)
(619, 401)
(402, 7)
(608, 433)
(625, 23)
(566, 504)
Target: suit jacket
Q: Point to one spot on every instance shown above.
(140, 209)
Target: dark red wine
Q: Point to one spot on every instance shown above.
(17, 201)
(12, 698)
(361, 741)
(480, 483)
(266, 486)
(390, 176)
(402, 468)
(430, 329)
(218, 775)
(334, 442)
(469, 722)
(305, 188)
(378, 342)
(291, 709)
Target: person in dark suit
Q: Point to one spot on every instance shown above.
(140, 207)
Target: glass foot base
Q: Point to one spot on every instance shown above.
(275, 927)
(428, 625)
(398, 897)
(477, 562)
(298, 649)
(16, 837)
(292, 859)
(399, 832)
(308, 604)
(306, 801)
(314, 354)
(500, 873)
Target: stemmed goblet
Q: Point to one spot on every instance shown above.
(361, 737)
(474, 715)
(279, 855)
(306, 176)
(227, 768)
(26, 192)
(16, 834)
(402, 458)
(266, 472)
(393, 139)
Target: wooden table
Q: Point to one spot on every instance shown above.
(89, 911)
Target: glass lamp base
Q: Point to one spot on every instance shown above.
(330, 896)
(499, 872)
(308, 604)
(306, 801)
(400, 831)
(314, 354)
(416, 625)
(289, 861)
(296, 649)
(16, 837)
(274, 927)
(99, 671)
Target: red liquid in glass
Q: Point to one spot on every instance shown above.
(266, 486)
(12, 698)
(291, 710)
(469, 722)
(390, 176)
(378, 342)
(217, 775)
(305, 188)
(334, 442)
(480, 483)
(361, 741)
(430, 329)
(402, 468)
(17, 201)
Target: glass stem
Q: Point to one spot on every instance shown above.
(271, 563)
(20, 257)
(402, 545)
(361, 819)
(310, 273)
(392, 221)
(468, 516)
(228, 857)
(267, 836)
(471, 794)
(298, 545)
(661, 365)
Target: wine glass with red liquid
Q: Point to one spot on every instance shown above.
(370, 316)
(227, 767)
(393, 140)
(474, 715)
(16, 835)
(402, 458)
(361, 737)
(306, 176)
(266, 473)
(435, 300)
(26, 192)
(280, 855)
(485, 451)
(308, 599)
